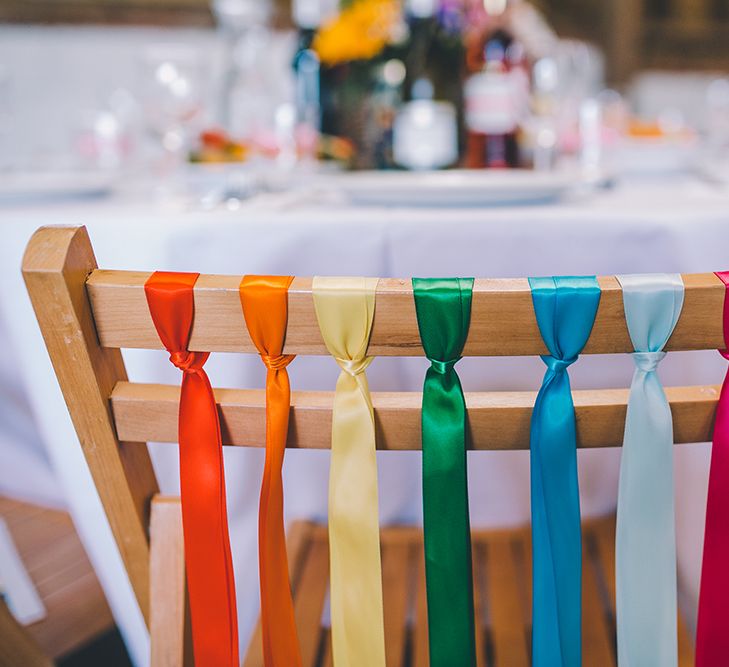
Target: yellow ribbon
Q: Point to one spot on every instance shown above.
(345, 308)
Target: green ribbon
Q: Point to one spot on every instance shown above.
(443, 307)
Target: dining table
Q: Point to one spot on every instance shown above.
(670, 222)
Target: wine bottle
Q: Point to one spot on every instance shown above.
(491, 100)
(421, 22)
(308, 15)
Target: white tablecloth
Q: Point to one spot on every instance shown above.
(672, 225)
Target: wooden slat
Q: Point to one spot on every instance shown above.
(505, 605)
(522, 554)
(309, 604)
(502, 320)
(502, 587)
(596, 617)
(76, 609)
(169, 626)
(56, 264)
(496, 420)
(298, 542)
(397, 568)
(479, 601)
(397, 563)
(421, 655)
(17, 647)
(603, 533)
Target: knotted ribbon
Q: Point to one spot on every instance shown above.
(712, 630)
(443, 307)
(345, 309)
(565, 309)
(265, 307)
(645, 542)
(202, 479)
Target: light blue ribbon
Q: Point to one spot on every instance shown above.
(645, 543)
(565, 309)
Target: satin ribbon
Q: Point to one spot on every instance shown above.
(208, 561)
(345, 309)
(443, 307)
(645, 541)
(712, 630)
(565, 309)
(265, 307)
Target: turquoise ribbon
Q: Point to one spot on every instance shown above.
(645, 542)
(565, 308)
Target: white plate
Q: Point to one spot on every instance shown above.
(452, 188)
(32, 185)
(654, 156)
(713, 171)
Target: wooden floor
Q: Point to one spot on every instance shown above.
(502, 585)
(57, 563)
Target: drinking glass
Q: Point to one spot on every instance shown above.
(171, 97)
(240, 22)
(8, 146)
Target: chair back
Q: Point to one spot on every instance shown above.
(87, 315)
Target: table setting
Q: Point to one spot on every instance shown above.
(457, 139)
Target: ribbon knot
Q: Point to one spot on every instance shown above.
(277, 362)
(645, 541)
(354, 367)
(557, 365)
(565, 309)
(345, 309)
(208, 561)
(443, 367)
(648, 361)
(184, 360)
(443, 309)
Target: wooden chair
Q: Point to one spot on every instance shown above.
(17, 647)
(76, 610)
(86, 315)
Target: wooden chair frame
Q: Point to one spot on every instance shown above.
(86, 315)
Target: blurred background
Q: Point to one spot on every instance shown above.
(114, 83)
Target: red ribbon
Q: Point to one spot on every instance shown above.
(208, 560)
(712, 631)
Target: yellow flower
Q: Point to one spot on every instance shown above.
(360, 32)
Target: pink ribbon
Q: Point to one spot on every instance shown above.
(712, 631)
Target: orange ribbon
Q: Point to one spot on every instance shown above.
(202, 479)
(265, 307)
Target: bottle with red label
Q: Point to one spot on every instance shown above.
(493, 99)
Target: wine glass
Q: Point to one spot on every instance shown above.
(8, 146)
(238, 20)
(171, 97)
(717, 119)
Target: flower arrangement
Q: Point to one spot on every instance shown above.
(374, 52)
(361, 31)
(371, 52)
